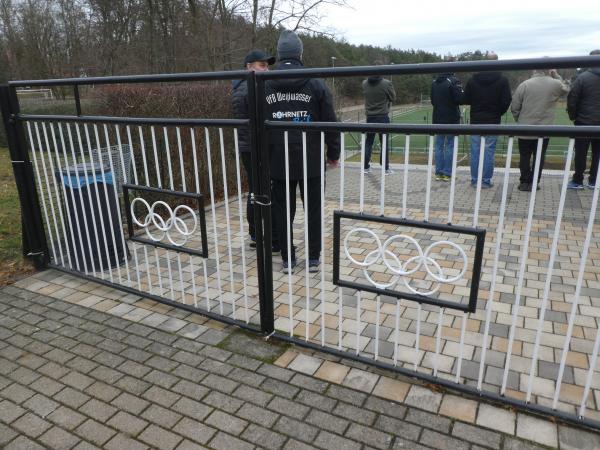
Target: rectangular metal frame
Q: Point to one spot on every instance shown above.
(202, 219)
(478, 233)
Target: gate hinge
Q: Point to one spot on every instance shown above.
(261, 200)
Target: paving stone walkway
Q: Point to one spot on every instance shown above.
(73, 376)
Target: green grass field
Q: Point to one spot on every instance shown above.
(419, 143)
(11, 260)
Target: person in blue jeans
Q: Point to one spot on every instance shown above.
(446, 96)
(489, 152)
(489, 95)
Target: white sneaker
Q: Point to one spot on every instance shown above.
(367, 170)
(389, 172)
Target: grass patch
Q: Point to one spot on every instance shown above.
(253, 346)
(12, 266)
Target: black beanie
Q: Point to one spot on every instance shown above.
(289, 46)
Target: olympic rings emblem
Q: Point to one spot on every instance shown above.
(174, 222)
(401, 269)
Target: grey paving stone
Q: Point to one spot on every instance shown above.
(287, 407)
(106, 374)
(310, 398)
(346, 395)
(442, 441)
(109, 359)
(58, 439)
(253, 395)
(71, 397)
(189, 373)
(17, 393)
(46, 386)
(263, 437)
(369, 436)
(428, 420)
(511, 443)
(293, 444)
(161, 416)
(57, 355)
(212, 337)
(188, 358)
(189, 445)
(98, 410)
(477, 435)
(159, 437)
(224, 402)
(112, 346)
(127, 423)
(355, 414)
(41, 405)
(81, 364)
(94, 432)
(386, 407)
(85, 350)
(103, 391)
(296, 429)
(257, 414)
(194, 430)
(226, 422)
(192, 408)
(194, 391)
(132, 385)
(246, 376)
(279, 388)
(137, 341)
(215, 367)
(77, 380)
(120, 442)
(161, 379)
(276, 372)
(135, 354)
(223, 441)
(66, 418)
(244, 362)
(572, 438)
(220, 383)
(6, 435)
(163, 350)
(327, 421)
(23, 443)
(331, 441)
(24, 376)
(309, 383)
(130, 403)
(398, 427)
(404, 444)
(31, 425)
(10, 411)
(550, 371)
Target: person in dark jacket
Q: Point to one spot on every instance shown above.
(379, 94)
(446, 96)
(583, 106)
(257, 61)
(488, 93)
(298, 100)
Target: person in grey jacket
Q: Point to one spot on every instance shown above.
(257, 61)
(379, 94)
(533, 103)
(583, 106)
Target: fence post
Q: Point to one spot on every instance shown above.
(262, 210)
(35, 246)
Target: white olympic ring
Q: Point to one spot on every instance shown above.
(402, 270)
(165, 227)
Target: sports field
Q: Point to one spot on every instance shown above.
(419, 143)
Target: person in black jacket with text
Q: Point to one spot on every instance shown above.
(257, 61)
(583, 106)
(298, 100)
(489, 95)
(446, 96)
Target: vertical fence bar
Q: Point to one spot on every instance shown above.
(405, 178)
(306, 236)
(428, 185)
(322, 192)
(227, 216)
(241, 217)
(289, 229)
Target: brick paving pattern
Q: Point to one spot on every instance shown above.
(75, 377)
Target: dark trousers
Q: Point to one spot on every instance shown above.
(247, 163)
(581, 151)
(371, 139)
(314, 214)
(528, 151)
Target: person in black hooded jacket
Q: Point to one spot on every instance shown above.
(298, 100)
(583, 106)
(257, 61)
(489, 95)
(446, 96)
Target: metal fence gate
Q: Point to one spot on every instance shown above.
(494, 292)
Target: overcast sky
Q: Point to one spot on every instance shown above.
(511, 28)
